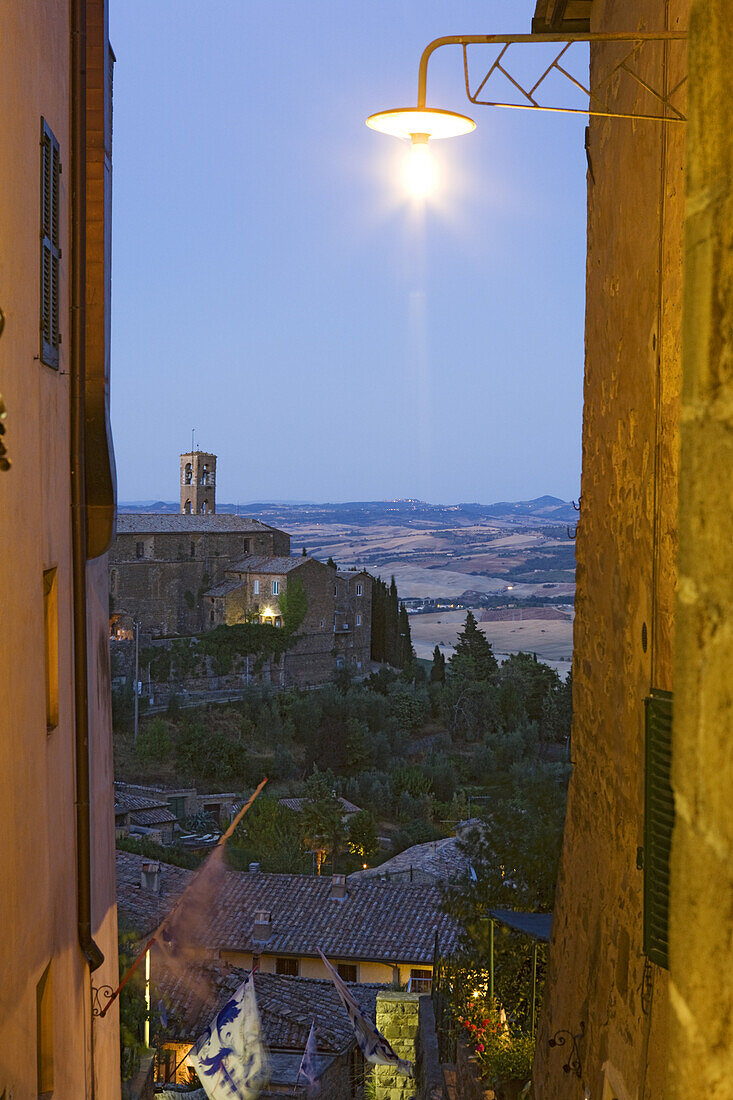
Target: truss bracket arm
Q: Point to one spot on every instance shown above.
(507, 39)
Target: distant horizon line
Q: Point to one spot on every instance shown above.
(373, 500)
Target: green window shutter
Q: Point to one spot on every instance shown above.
(658, 825)
(50, 250)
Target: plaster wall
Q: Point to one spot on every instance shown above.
(626, 576)
(701, 907)
(38, 901)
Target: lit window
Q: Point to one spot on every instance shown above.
(358, 590)
(421, 981)
(44, 1033)
(51, 646)
(256, 588)
(276, 588)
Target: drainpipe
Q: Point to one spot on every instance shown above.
(77, 378)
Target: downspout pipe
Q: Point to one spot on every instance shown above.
(77, 379)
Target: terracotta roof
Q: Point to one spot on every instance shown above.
(142, 810)
(262, 563)
(224, 587)
(377, 920)
(287, 1005)
(139, 908)
(438, 860)
(157, 523)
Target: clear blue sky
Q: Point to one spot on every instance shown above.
(274, 287)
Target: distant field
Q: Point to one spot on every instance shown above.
(551, 640)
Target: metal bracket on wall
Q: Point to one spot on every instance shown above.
(101, 998)
(512, 68)
(562, 1038)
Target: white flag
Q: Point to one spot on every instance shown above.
(230, 1057)
(309, 1065)
(372, 1043)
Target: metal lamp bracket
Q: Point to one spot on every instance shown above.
(529, 94)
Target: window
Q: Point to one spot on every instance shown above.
(287, 966)
(347, 971)
(359, 590)
(44, 1033)
(50, 249)
(358, 620)
(246, 546)
(278, 622)
(139, 549)
(658, 825)
(205, 475)
(204, 508)
(51, 646)
(323, 624)
(421, 981)
(335, 590)
(256, 588)
(187, 474)
(193, 549)
(276, 588)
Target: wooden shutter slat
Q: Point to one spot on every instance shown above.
(658, 825)
(50, 251)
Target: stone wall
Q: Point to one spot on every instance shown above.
(701, 946)
(398, 1021)
(626, 577)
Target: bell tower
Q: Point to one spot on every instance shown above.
(198, 483)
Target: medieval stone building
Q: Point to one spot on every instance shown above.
(188, 573)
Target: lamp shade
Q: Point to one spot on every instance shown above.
(403, 122)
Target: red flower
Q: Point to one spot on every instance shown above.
(466, 1023)
(485, 1023)
(481, 1048)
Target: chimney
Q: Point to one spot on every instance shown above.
(150, 876)
(338, 888)
(262, 930)
(254, 868)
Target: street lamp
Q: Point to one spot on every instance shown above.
(421, 123)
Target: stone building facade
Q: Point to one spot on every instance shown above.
(337, 629)
(57, 502)
(650, 1024)
(161, 565)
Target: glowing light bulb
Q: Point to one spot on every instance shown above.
(420, 173)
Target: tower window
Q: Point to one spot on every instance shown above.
(50, 249)
(246, 546)
(139, 549)
(188, 474)
(255, 588)
(205, 475)
(193, 549)
(204, 508)
(358, 590)
(276, 588)
(187, 508)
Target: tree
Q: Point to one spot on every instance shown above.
(305, 552)
(293, 605)
(437, 672)
(473, 658)
(322, 817)
(331, 562)
(363, 840)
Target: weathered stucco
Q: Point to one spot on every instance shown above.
(701, 917)
(626, 577)
(38, 867)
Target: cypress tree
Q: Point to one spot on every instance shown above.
(437, 672)
(473, 654)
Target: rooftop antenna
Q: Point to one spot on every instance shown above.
(192, 446)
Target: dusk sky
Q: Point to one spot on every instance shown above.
(275, 288)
